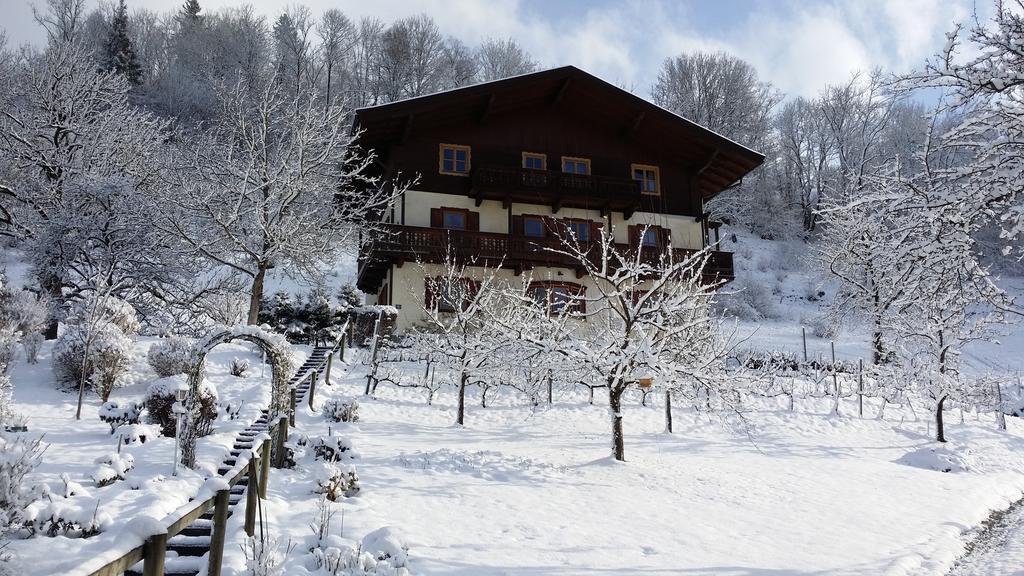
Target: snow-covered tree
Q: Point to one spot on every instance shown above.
(118, 52)
(649, 317)
(273, 183)
(501, 58)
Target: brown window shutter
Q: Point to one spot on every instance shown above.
(634, 236)
(595, 231)
(435, 218)
(473, 222)
(517, 225)
(665, 237)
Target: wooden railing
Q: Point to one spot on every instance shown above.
(256, 466)
(548, 185)
(433, 245)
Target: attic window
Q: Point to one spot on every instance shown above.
(648, 176)
(573, 165)
(534, 161)
(454, 159)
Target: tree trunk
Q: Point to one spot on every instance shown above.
(256, 298)
(668, 411)
(52, 287)
(615, 408)
(940, 433)
(460, 417)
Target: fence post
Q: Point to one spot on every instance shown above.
(668, 411)
(291, 402)
(549, 389)
(251, 494)
(220, 524)
(264, 468)
(803, 334)
(835, 380)
(154, 554)
(282, 437)
(312, 387)
(327, 375)
(860, 387)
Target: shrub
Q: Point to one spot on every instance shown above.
(748, 301)
(338, 410)
(365, 318)
(32, 342)
(8, 347)
(112, 468)
(19, 456)
(23, 311)
(160, 399)
(335, 483)
(116, 414)
(135, 433)
(307, 319)
(100, 354)
(332, 448)
(170, 356)
(239, 366)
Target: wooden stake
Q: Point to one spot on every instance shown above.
(860, 387)
(327, 375)
(312, 387)
(291, 401)
(803, 333)
(264, 468)
(251, 494)
(282, 437)
(154, 554)
(220, 525)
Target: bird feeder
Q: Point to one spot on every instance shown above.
(645, 382)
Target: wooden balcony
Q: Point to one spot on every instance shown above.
(556, 189)
(400, 244)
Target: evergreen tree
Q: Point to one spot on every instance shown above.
(189, 13)
(119, 55)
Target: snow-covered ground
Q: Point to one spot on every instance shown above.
(524, 490)
(147, 490)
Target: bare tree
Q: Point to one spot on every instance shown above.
(337, 43)
(502, 58)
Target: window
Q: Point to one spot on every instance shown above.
(571, 165)
(534, 161)
(559, 297)
(454, 219)
(454, 160)
(449, 295)
(580, 230)
(648, 178)
(650, 238)
(533, 226)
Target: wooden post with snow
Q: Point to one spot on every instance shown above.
(803, 334)
(282, 437)
(154, 554)
(291, 410)
(330, 362)
(860, 387)
(251, 494)
(1000, 414)
(265, 468)
(668, 411)
(835, 381)
(312, 387)
(220, 525)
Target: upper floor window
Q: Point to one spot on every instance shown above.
(533, 226)
(446, 294)
(454, 219)
(454, 159)
(534, 161)
(648, 177)
(650, 238)
(572, 165)
(580, 229)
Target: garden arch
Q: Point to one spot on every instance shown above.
(277, 350)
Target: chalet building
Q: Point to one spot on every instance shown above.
(502, 165)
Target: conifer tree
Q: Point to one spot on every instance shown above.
(119, 54)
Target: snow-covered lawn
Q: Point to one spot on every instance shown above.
(147, 490)
(523, 490)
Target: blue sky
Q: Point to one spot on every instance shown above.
(797, 45)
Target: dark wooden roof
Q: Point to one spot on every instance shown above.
(717, 161)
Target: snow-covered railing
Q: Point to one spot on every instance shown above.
(153, 534)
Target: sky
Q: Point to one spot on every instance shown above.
(797, 45)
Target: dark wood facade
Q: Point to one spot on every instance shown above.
(558, 112)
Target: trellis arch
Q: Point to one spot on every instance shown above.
(282, 369)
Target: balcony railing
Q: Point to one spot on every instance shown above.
(557, 188)
(399, 244)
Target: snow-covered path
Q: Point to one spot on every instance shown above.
(999, 549)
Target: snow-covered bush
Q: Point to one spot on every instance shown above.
(160, 399)
(170, 356)
(8, 347)
(385, 544)
(822, 325)
(349, 296)
(307, 319)
(22, 311)
(332, 448)
(112, 310)
(335, 483)
(76, 516)
(31, 343)
(101, 354)
(238, 368)
(112, 468)
(340, 410)
(115, 414)
(364, 318)
(337, 558)
(135, 433)
(747, 300)
(19, 456)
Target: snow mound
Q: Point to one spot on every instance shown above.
(385, 544)
(938, 458)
